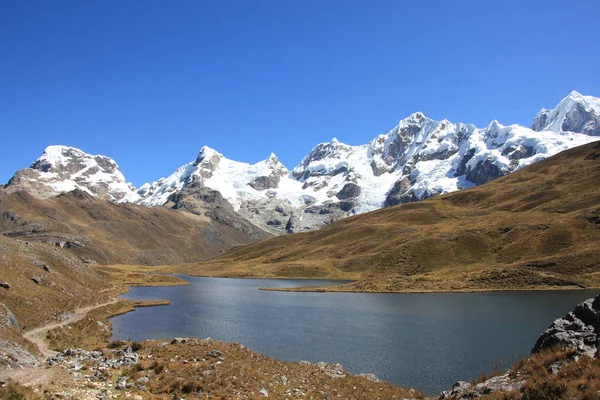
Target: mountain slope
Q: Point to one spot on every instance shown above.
(110, 233)
(536, 228)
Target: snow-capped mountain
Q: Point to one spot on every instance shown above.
(418, 158)
(62, 169)
(575, 113)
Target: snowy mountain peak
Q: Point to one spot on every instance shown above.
(208, 153)
(575, 113)
(416, 116)
(272, 159)
(62, 169)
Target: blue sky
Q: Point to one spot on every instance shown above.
(148, 83)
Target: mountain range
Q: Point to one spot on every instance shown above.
(417, 159)
(537, 228)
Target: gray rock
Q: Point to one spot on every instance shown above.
(7, 318)
(265, 182)
(484, 171)
(370, 377)
(464, 390)
(37, 280)
(398, 192)
(14, 356)
(214, 353)
(350, 190)
(579, 329)
(457, 391)
(121, 383)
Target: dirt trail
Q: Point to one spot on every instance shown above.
(37, 335)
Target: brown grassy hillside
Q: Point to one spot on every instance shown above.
(110, 233)
(45, 282)
(538, 228)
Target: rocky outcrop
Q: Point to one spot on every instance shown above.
(579, 329)
(501, 383)
(484, 171)
(200, 200)
(349, 191)
(13, 355)
(399, 193)
(7, 319)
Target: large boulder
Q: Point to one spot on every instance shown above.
(579, 329)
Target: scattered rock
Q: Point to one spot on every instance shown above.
(5, 285)
(457, 391)
(500, 383)
(370, 377)
(214, 353)
(37, 280)
(263, 392)
(554, 368)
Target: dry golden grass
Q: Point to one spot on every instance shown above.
(110, 233)
(127, 275)
(15, 391)
(579, 378)
(94, 330)
(187, 369)
(65, 284)
(535, 229)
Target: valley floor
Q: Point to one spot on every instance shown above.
(443, 281)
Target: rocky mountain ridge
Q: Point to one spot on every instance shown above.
(417, 159)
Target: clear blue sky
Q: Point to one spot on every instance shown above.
(148, 83)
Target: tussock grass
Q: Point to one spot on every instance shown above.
(15, 391)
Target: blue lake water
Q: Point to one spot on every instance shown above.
(425, 341)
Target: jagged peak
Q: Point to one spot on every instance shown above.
(576, 97)
(61, 155)
(568, 113)
(207, 153)
(494, 124)
(416, 116)
(56, 153)
(273, 161)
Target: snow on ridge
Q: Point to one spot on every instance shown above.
(576, 112)
(434, 156)
(417, 158)
(62, 169)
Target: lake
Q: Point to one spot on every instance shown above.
(425, 341)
